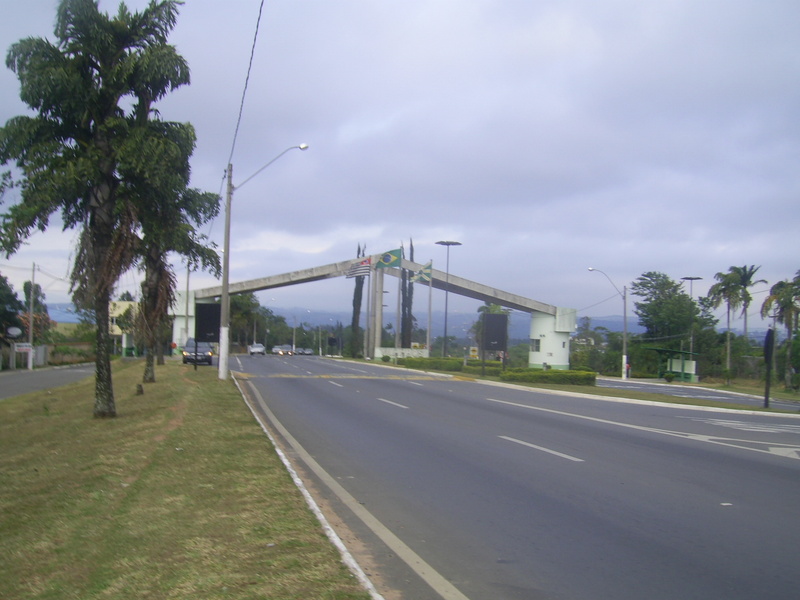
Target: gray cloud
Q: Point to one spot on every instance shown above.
(547, 137)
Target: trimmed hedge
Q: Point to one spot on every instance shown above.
(550, 376)
(433, 364)
(492, 369)
(495, 369)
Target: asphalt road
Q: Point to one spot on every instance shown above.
(22, 381)
(512, 494)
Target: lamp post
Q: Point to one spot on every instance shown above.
(691, 281)
(225, 308)
(624, 294)
(446, 288)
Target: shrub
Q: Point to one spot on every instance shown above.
(491, 370)
(433, 364)
(550, 376)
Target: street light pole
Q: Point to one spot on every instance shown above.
(624, 294)
(691, 281)
(446, 288)
(225, 301)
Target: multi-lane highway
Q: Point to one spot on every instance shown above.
(497, 492)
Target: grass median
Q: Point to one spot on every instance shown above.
(181, 496)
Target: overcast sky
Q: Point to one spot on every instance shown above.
(546, 136)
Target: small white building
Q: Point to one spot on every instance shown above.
(183, 322)
(550, 339)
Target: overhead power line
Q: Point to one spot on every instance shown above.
(246, 82)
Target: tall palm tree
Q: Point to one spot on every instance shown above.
(784, 298)
(727, 290)
(746, 279)
(85, 90)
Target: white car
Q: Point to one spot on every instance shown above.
(257, 349)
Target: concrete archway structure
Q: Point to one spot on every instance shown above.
(550, 328)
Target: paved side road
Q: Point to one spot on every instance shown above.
(22, 381)
(686, 391)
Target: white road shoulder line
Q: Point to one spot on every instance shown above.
(542, 448)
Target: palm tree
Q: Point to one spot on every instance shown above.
(728, 290)
(746, 279)
(784, 298)
(86, 91)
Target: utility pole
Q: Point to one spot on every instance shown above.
(30, 317)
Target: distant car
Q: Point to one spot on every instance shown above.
(285, 350)
(305, 351)
(197, 352)
(256, 349)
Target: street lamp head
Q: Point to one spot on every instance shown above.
(591, 268)
(303, 146)
(448, 243)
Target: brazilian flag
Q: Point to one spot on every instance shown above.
(390, 259)
(424, 275)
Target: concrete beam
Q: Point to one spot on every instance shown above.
(275, 281)
(440, 281)
(478, 291)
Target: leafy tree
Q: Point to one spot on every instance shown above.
(10, 308)
(589, 348)
(784, 300)
(666, 311)
(169, 224)
(41, 317)
(244, 312)
(81, 153)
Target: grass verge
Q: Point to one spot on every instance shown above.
(180, 496)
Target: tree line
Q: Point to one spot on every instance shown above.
(673, 320)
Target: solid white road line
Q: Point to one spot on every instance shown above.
(392, 403)
(543, 449)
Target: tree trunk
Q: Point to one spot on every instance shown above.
(728, 349)
(103, 269)
(149, 366)
(150, 313)
(104, 405)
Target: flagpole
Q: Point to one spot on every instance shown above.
(368, 314)
(397, 327)
(430, 308)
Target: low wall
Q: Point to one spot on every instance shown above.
(401, 353)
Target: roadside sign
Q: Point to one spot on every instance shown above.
(23, 347)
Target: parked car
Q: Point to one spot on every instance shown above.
(256, 349)
(197, 352)
(285, 350)
(305, 351)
